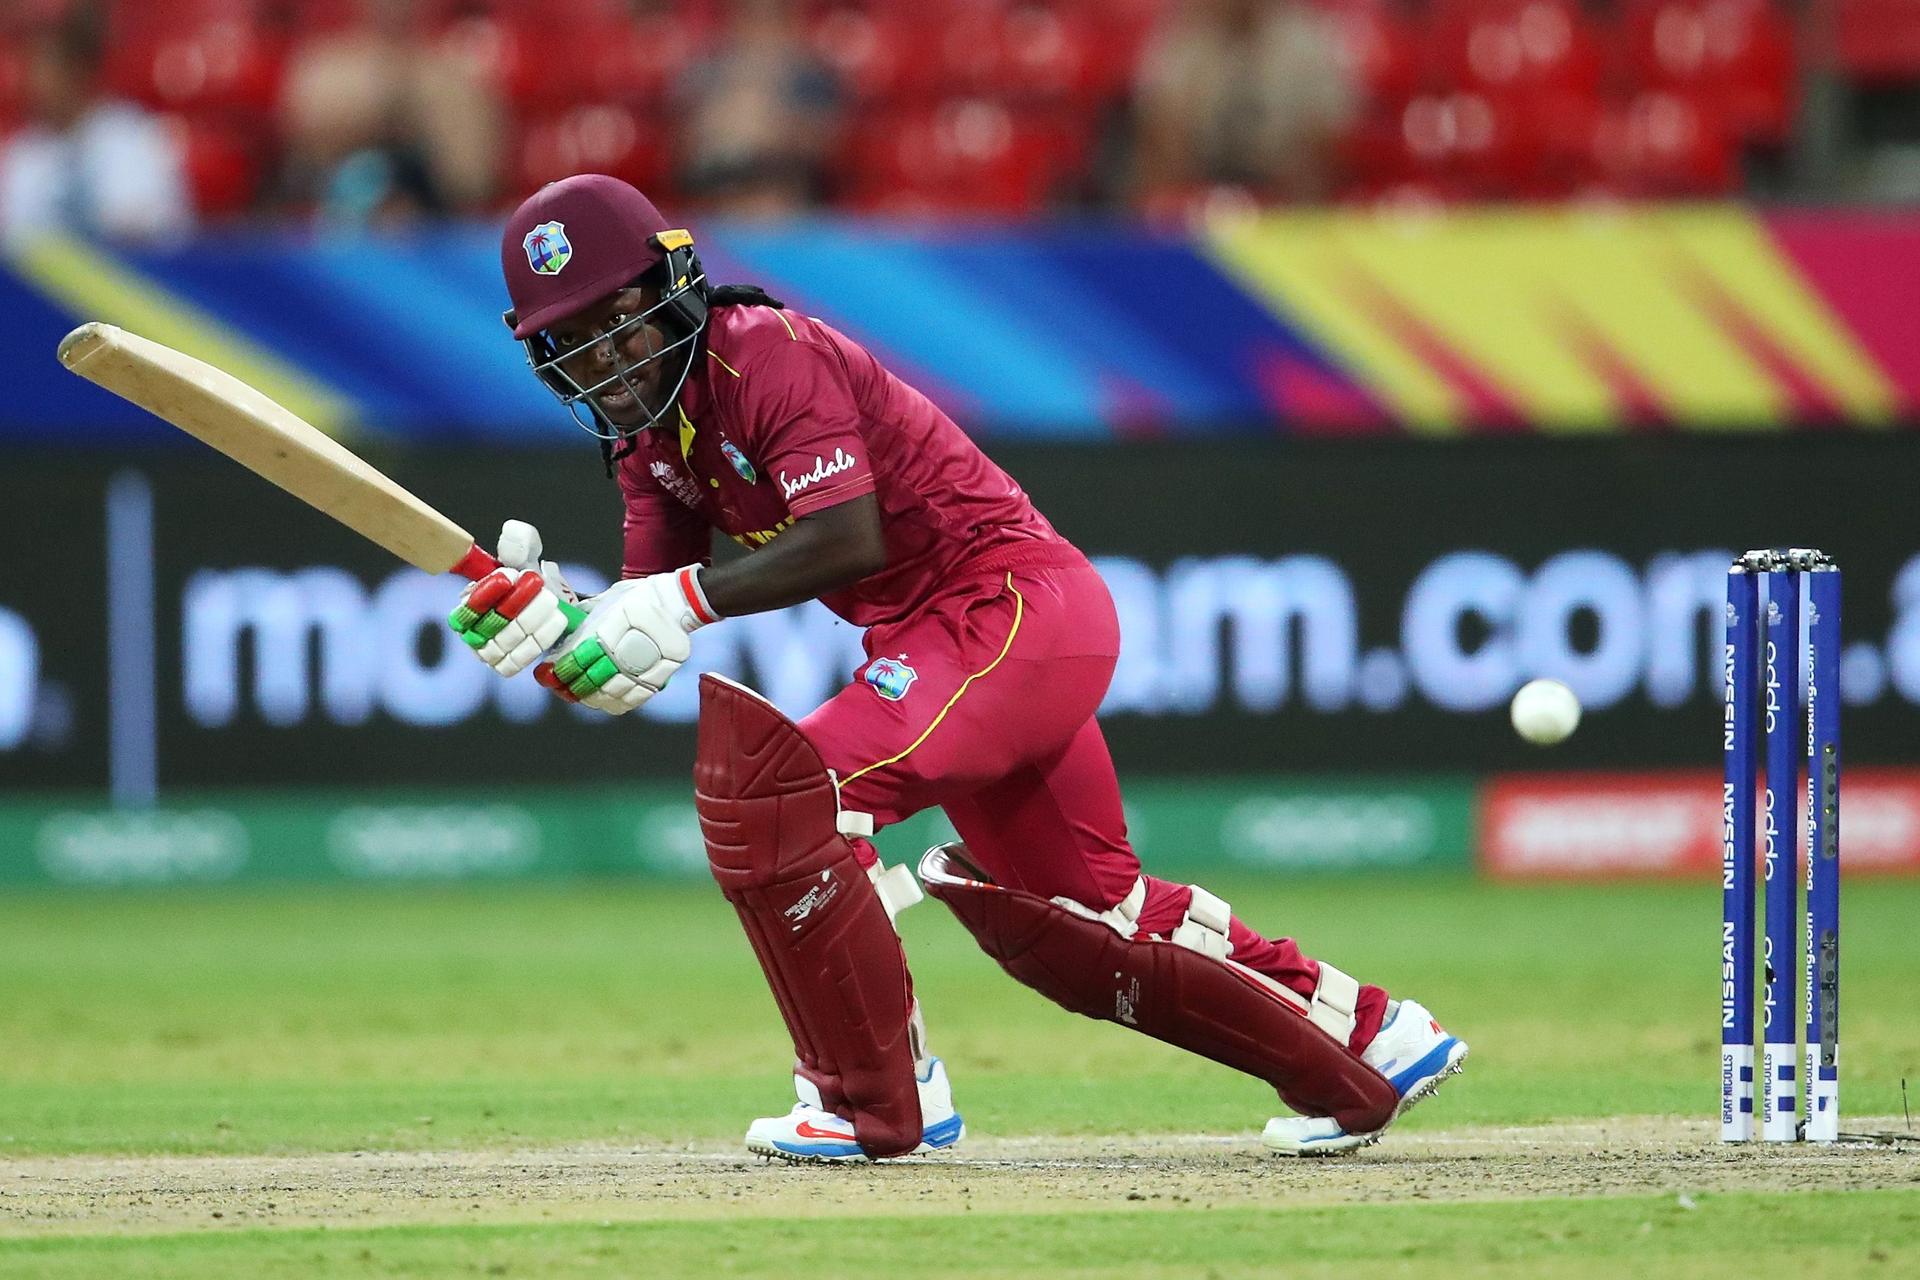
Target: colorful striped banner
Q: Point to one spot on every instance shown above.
(1561, 320)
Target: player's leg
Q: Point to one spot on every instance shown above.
(1052, 827)
(1052, 833)
(776, 842)
(884, 739)
(1056, 829)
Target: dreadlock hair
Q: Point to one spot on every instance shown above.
(725, 295)
(743, 295)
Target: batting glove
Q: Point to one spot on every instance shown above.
(634, 639)
(511, 617)
(520, 548)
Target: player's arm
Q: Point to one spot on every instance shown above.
(636, 636)
(828, 549)
(801, 396)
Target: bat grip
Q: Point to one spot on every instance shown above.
(476, 564)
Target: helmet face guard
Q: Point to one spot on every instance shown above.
(680, 314)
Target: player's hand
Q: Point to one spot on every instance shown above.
(511, 617)
(520, 548)
(634, 639)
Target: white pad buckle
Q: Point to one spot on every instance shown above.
(897, 888)
(1204, 927)
(1122, 917)
(1334, 1001)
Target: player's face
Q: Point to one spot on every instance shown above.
(611, 343)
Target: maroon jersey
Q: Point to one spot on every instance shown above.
(786, 417)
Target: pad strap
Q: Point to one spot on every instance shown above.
(1335, 1003)
(1123, 917)
(1204, 927)
(896, 886)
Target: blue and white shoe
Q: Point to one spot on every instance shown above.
(811, 1134)
(1414, 1053)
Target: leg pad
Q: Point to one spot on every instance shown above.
(1202, 1003)
(768, 810)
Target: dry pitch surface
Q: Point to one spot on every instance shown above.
(70, 1195)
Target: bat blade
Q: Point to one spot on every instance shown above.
(272, 442)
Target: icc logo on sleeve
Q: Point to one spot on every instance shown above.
(891, 677)
(548, 249)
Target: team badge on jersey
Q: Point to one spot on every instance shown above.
(548, 249)
(891, 677)
(739, 461)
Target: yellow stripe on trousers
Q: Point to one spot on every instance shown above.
(1019, 611)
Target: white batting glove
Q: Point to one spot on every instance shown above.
(519, 548)
(510, 617)
(635, 638)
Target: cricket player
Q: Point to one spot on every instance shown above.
(990, 643)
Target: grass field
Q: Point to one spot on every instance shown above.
(624, 1030)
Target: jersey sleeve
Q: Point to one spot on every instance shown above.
(808, 423)
(660, 533)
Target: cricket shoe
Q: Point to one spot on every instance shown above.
(1412, 1051)
(811, 1134)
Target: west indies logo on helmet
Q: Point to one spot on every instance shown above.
(569, 248)
(548, 249)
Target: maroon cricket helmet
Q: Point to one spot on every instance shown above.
(573, 242)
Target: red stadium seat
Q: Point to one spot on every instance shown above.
(319, 17)
(1009, 49)
(223, 164)
(600, 137)
(138, 19)
(967, 155)
(1486, 98)
(227, 65)
(1661, 144)
(1736, 55)
(1117, 34)
(634, 58)
(13, 82)
(1384, 48)
(878, 51)
(1014, 50)
(1045, 50)
(1526, 48)
(1879, 40)
(1469, 138)
(643, 60)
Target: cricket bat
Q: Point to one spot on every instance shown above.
(273, 443)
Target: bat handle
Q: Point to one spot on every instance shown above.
(476, 564)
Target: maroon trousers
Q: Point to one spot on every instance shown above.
(983, 704)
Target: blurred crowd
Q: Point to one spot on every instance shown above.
(142, 117)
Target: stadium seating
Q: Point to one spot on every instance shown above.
(1879, 40)
(997, 106)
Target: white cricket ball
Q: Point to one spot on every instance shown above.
(1545, 711)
